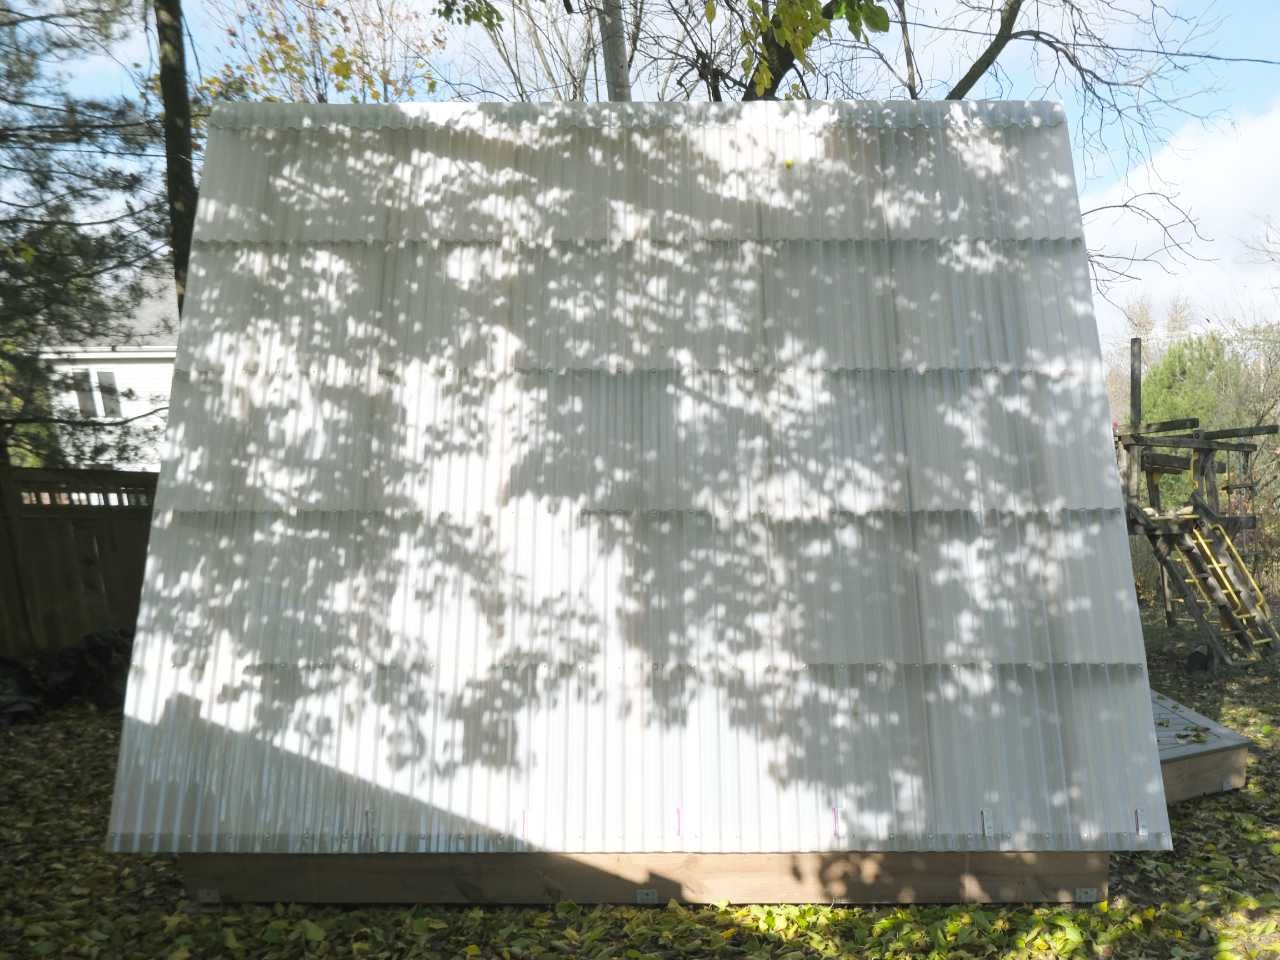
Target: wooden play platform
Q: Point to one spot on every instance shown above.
(1205, 577)
(1197, 755)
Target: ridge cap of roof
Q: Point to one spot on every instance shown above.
(883, 114)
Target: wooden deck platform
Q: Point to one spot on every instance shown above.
(1197, 755)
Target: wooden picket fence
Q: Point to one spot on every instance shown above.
(73, 546)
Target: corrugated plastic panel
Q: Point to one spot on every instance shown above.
(746, 172)
(734, 444)
(639, 478)
(742, 305)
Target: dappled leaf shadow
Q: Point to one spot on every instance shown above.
(611, 482)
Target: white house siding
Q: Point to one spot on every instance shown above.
(639, 478)
(140, 378)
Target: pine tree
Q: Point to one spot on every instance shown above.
(81, 217)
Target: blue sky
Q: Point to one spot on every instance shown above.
(1219, 157)
(1249, 28)
(1222, 168)
(1225, 91)
(1246, 28)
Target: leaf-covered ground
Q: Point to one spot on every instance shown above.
(61, 895)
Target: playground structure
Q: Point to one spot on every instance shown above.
(1205, 579)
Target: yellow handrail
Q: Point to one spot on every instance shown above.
(1219, 572)
(1235, 555)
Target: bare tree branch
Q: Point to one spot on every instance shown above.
(82, 422)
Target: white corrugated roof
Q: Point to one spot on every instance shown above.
(639, 478)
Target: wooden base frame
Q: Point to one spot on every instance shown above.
(1201, 774)
(537, 878)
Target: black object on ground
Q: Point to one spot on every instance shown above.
(94, 670)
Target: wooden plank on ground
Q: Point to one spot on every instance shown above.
(647, 878)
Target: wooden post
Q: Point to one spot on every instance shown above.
(1248, 539)
(1130, 461)
(13, 591)
(1135, 382)
(1133, 462)
(1166, 597)
(1204, 471)
(1211, 481)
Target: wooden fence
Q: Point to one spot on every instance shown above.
(73, 545)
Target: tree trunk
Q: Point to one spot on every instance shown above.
(179, 179)
(613, 36)
(1004, 33)
(779, 59)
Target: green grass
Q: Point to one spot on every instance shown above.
(61, 895)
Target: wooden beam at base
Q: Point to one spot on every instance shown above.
(1200, 774)
(647, 878)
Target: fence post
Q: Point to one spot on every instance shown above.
(12, 584)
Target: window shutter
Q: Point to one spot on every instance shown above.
(84, 393)
(110, 395)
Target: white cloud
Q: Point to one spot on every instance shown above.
(1229, 178)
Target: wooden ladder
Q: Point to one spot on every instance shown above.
(1214, 584)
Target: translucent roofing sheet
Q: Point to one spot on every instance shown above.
(639, 478)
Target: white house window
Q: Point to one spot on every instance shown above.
(96, 392)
